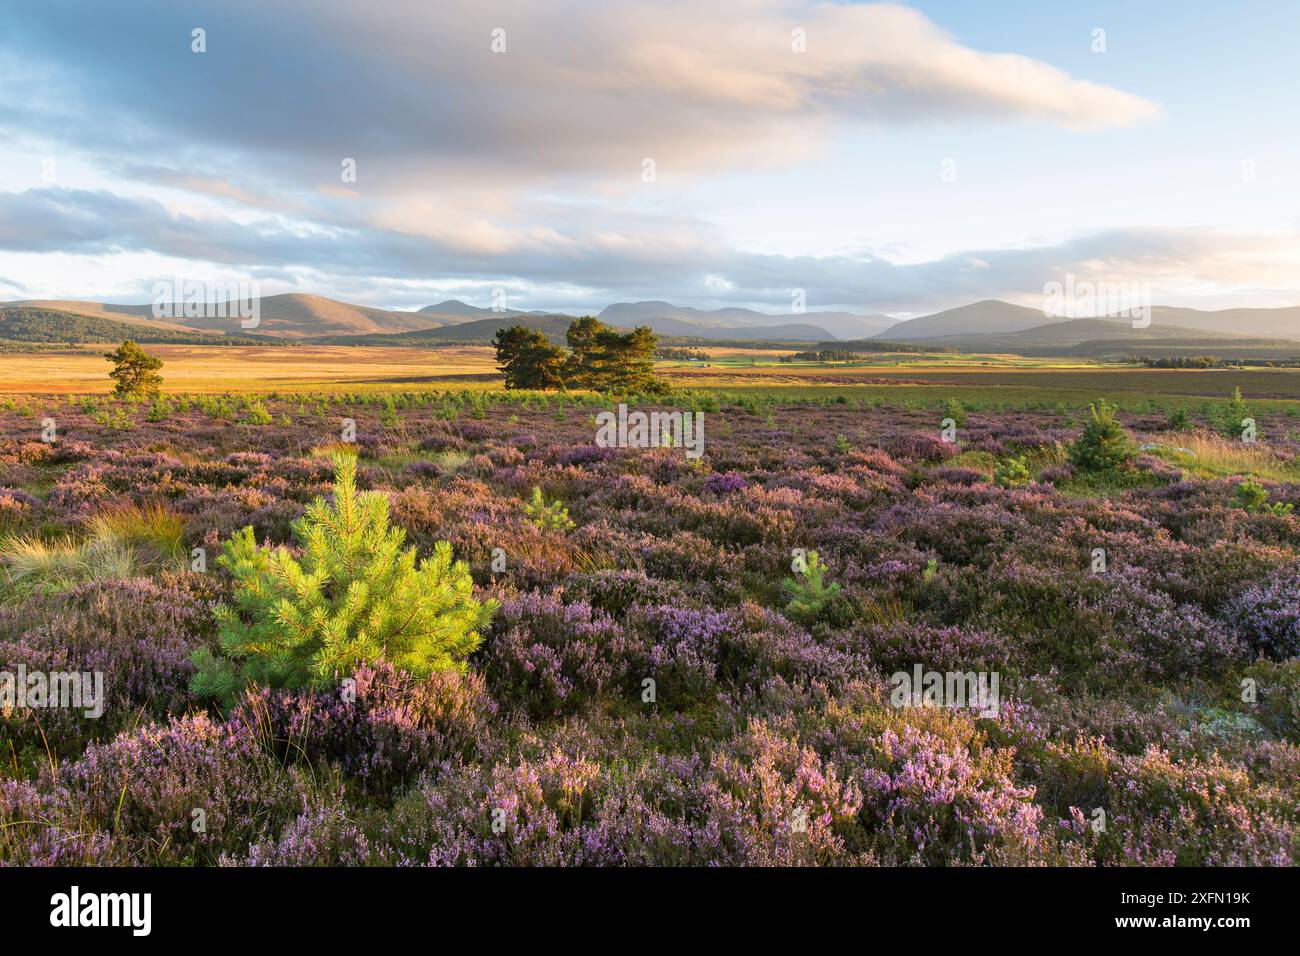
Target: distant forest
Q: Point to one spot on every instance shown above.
(25, 324)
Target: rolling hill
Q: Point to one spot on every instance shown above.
(979, 318)
(989, 325)
(733, 323)
(1265, 323)
(35, 324)
(1070, 332)
(476, 331)
(291, 315)
(994, 317)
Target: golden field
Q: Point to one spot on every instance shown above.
(981, 379)
(190, 368)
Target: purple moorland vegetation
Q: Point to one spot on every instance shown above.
(675, 679)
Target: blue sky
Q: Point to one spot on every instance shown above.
(907, 159)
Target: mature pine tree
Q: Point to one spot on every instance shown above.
(626, 361)
(585, 365)
(354, 597)
(600, 358)
(528, 359)
(135, 371)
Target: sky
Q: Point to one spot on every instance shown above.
(875, 158)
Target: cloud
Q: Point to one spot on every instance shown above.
(601, 257)
(413, 90)
(518, 167)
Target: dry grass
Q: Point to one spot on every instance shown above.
(155, 532)
(123, 542)
(1207, 455)
(189, 368)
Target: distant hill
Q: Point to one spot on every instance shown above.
(477, 331)
(289, 316)
(978, 318)
(671, 319)
(992, 316)
(455, 307)
(990, 325)
(1068, 332)
(1265, 323)
(98, 310)
(481, 331)
(32, 324)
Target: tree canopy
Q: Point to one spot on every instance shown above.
(134, 370)
(599, 358)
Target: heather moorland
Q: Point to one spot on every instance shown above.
(656, 658)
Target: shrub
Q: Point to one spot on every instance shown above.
(551, 516)
(1103, 446)
(145, 788)
(1232, 415)
(1011, 472)
(956, 411)
(257, 414)
(356, 597)
(809, 592)
(389, 727)
(1251, 496)
(725, 483)
(1178, 421)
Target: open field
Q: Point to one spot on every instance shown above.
(244, 369)
(975, 380)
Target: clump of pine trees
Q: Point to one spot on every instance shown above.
(356, 596)
(598, 357)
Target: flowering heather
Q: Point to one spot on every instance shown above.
(645, 694)
(1267, 616)
(724, 483)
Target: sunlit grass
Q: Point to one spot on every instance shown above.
(1205, 455)
(153, 532)
(124, 542)
(33, 566)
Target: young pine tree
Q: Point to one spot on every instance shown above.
(1233, 415)
(1104, 446)
(810, 593)
(355, 596)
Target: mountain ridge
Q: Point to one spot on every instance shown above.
(981, 325)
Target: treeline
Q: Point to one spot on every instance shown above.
(26, 324)
(1182, 361)
(859, 346)
(826, 355)
(1215, 361)
(681, 355)
(598, 357)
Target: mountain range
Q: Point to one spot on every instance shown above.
(990, 325)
